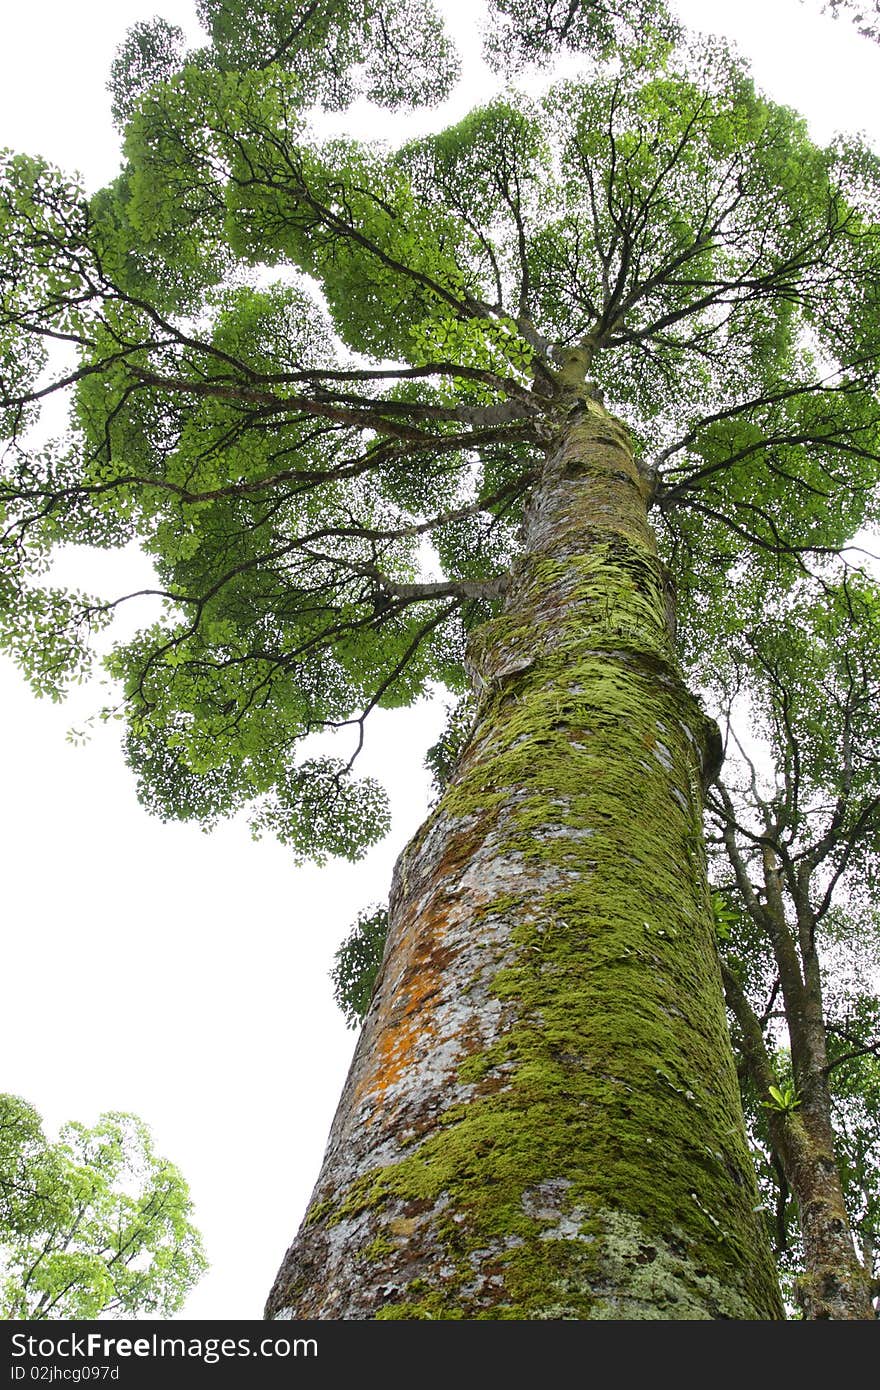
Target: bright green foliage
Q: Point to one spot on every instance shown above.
(93, 1225)
(396, 48)
(784, 1099)
(395, 52)
(724, 916)
(442, 757)
(151, 53)
(357, 962)
(806, 680)
(299, 360)
(536, 31)
(811, 671)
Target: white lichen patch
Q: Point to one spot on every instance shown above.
(663, 756)
(657, 1280)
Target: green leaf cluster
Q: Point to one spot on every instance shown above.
(317, 379)
(93, 1225)
(394, 52)
(356, 964)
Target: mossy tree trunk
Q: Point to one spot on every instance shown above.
(541, 1118)
(836, 1284)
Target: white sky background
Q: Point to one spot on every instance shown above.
(183, 976)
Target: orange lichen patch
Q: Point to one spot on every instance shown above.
(394, 1057)
(417, 1023)
(399, 1037)
(408, 1022)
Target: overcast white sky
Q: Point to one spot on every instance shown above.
(183, 976)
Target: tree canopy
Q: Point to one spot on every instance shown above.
(316, 380)
(797, 821)
(293, 463)
(94, 1224)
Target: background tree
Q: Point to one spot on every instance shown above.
(801, 852)
(852, 1084)
(675, 237)
(94, 1224)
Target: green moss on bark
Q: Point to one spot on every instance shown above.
(597, 1166)
(612, 1089)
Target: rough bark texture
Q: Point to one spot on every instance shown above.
(541, 1118)
(835, 1284)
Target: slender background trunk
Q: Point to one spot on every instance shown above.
(835, 1284)
(541, 1118)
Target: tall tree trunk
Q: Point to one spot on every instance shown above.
(542, 1118)
(834, 1284)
